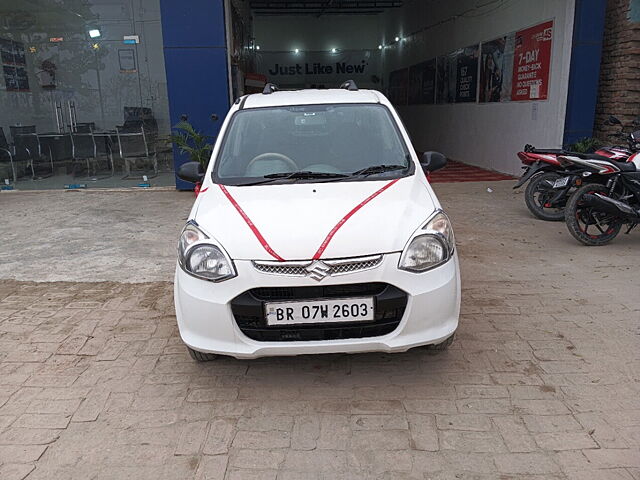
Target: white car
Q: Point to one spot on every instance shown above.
(315, 231)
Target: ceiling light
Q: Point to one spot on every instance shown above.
(94, 33)
(334, 50)
(297, 50)
(397, 39)
(257, 47)
(379, 47)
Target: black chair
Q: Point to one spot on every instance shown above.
(134, 146)
(6, 156)
(27, 148)
(85, 150)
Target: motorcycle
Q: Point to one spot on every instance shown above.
(596, 212)
(544, 197)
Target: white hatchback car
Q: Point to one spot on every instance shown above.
(315, 231)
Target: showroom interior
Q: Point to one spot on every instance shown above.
(91, 89)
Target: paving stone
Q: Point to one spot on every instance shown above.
(44, 420)
(551, 423)
(259, 459)
(15, 471)
(470, 422)
(191, 438)
(219, 437)
(212, 468)
(565, 441)
(525, 463)
(261, 440)
(21, 453)
(463, 441)
(423, 432)
(306, 431)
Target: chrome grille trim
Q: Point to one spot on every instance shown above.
(343, 266)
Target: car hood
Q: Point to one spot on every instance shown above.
(295, 219)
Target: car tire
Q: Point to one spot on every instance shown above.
(441, 347)
(201, 356)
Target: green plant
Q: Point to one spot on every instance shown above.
(585, 145)
(193, 143)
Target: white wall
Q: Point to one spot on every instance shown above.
(356, 38)
(488, 135)
(306, 32)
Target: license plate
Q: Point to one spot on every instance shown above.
(561, 182)
(319, 311)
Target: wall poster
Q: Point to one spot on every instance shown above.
(492, 70)
(532, 62)
(447, 72)
(14, 65)
(127, 60)
(467, 74)
(399, 86)
(422, 83)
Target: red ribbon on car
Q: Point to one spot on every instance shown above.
(325, 243)
(251, 225)
(328, 238)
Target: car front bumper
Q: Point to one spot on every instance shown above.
(207, 324)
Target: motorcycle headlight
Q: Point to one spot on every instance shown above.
(198, 255)
(432, 245)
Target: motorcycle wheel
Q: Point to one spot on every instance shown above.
(586, 224)
(536, 196)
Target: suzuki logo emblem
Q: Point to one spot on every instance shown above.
(318, 270)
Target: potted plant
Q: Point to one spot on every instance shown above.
(193, 143)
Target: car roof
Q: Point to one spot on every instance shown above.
(312, 97)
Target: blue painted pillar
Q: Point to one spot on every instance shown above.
(195, 56)
(586, 54)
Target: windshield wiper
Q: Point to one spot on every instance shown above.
(301, 175)
(372, 170)
(305, 174)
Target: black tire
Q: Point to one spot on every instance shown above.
(579, 218)
(201, 356)
(441, 347)
(538, 191)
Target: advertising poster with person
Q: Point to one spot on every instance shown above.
(532, 62)
(467, 74)
(422, 83)
(447, 74)
(492, 72)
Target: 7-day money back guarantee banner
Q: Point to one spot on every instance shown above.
(532, 63)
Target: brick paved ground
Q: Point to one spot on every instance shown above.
(541, 383)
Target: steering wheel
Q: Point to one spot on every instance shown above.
(274, 156)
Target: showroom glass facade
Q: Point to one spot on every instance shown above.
(83, 95)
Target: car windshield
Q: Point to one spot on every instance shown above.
(312, 143)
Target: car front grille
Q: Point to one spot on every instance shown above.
(248, 311)
(334, 267)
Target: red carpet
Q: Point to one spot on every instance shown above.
(460, 172)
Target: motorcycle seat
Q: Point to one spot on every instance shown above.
(625, 166)
(590, 156)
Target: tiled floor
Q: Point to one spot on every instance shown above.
(541, 383)
(460, 172)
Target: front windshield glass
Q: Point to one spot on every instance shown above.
(312, 143)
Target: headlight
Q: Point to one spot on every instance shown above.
(433, 245)
(198, 255)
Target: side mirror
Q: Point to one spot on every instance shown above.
(614, 121)
(191, 172)
(432, 161)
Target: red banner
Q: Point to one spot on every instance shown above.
(532, 62)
